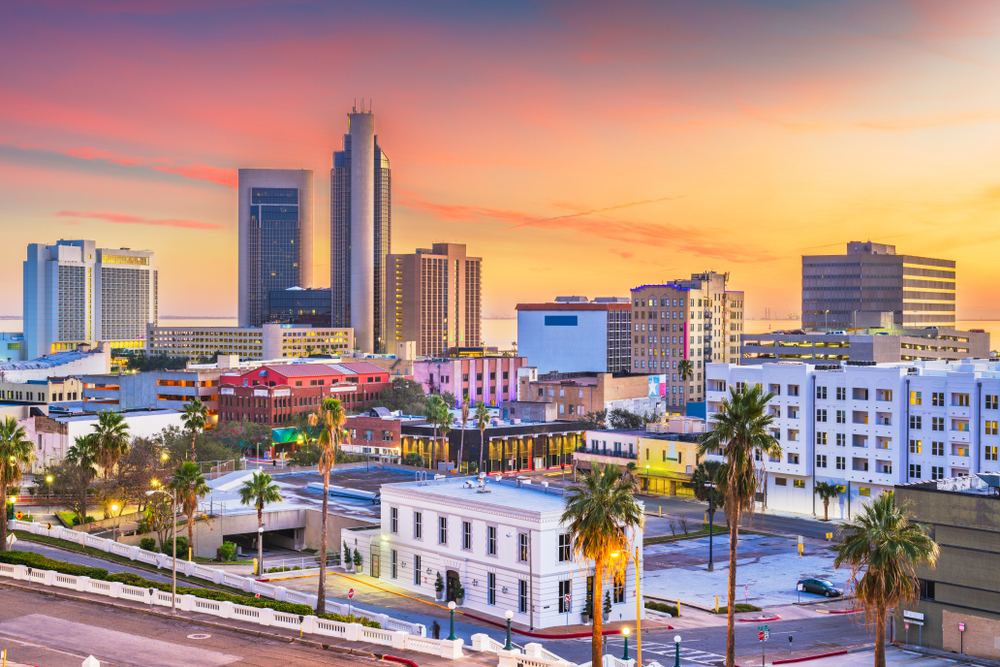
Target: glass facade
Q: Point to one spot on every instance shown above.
(274, 244)
(303, 306)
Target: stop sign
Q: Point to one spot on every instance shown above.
(760, 636)
(350, 594)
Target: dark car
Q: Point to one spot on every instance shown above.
(820, 587)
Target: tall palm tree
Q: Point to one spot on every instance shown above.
(258, 491)
(482, 421)
(111, 444)
(333, 417)
(685, 369)
(599, 514)
(190, 486)
(195, 417)
(16, 453)
(465, 418)
(740, 432)
(886, 547)
(826, 492)
(83, 454)
(436, 407)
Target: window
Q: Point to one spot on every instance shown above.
(821, 415)
(821, 392)
(937, 449)
(416, 570)
(841, 439)
(937, 398)
(820, 438)
(991, 427)
(991, 453)
(841, 393)
(914, 446)
(991, 402)
(780, 481)
(914, 471)
(821, 460)
(961, 400)
(926, 589)
(793, 390)
(394, 558)
(564, 547)
(793, 459)
(522, 547)
(467, 535)
(491, 588)
(937, 472)
(799, 483)
(915, 422)
(443, 530)
(916, 398)
(937, 423)
(491, 540)
(619, 588)
(841, 463)
(841, 416)
(418, 527)
(393, 520)
(564, 590)
(522, 596)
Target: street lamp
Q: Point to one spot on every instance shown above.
(625, 632)
(508, 615)
(48, 484)
(114, 523)
(711, 523)
(677, 651)
(451, 633)
(173, 560)
(638, 602)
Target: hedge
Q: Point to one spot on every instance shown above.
(666, 608)
(40, 562)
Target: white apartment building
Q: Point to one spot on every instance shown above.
(268, 341)
(505, 544)
(75, 292)
(867, 427)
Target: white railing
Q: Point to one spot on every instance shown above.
(483, 642)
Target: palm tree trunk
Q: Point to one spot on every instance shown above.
(434, 451)
(826, 510)
(880, 636)
(3, 519)
(482, 446)
(734, 529)
(190, 535)
(321, 593)
(461, 447)
(260, 540)
(193, 436)
(597, 604)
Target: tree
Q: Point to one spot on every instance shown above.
(159, 516)
(333, 418)
(710, 471)
(16, 453)
(466, 407)
(620, 418)
(245, 435)
(177, 443)
(740, 431)
(482, 421)
(405, 395)
(137, 469)
(435, 413)
(190, 487)
(82, 454)
(685, 370)
(194, 417)
(413, 459)
(111, 444)
(886, 547)
(260, 490)
(594, 421)
(826, 492)
(599, 514)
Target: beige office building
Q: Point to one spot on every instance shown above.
(268, 341)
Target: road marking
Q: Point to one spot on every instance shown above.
(53, 650)
(923, 657)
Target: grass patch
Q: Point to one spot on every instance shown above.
(703, 532)
(740, 607)
(70, 519)
(660, 606)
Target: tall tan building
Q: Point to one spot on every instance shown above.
(698, 319)
(434, 297)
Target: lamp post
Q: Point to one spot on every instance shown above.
(508, 615)
(173, 560)
(638, 604)
(677, 651)
(48, 485)
(114, 523)
(451, 632)
(826, 320)
(647, 476)
(711, 523)
(625, 632)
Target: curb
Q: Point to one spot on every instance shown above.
(404, 661)
(788, 661)
(758, 620)
(537, 635)
(846, 611)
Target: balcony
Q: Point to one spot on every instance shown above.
(883, 443)
(883, 395)
(883, 419)
(859, 417)
(859, 440)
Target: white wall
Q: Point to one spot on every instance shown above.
(583, 347)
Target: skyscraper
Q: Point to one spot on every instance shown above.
(360, 232)
(434, 297)
(275, 237)
(75, 292)
(873, 286)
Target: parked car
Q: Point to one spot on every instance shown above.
(820, 587)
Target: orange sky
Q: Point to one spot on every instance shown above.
(579, 148)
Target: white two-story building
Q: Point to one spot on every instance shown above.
(867, 427)
(505, 545)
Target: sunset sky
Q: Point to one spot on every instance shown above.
(579, 148)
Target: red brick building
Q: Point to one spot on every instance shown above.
(377, 432)
(272, 394)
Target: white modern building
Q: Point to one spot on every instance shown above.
(275, 237)
(267, 341)
(75, 292)
(573, 334)
(504, 544)
(867, 427)
(84, 359)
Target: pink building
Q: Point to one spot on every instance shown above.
(486, 379)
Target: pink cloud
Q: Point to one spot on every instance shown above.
(197, 172)
(123, 219)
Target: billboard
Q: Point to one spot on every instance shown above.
(657, 386)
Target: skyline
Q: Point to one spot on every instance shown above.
(652, 142)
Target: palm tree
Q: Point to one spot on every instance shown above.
(882, 543)
(83, 454)
(714, 472)
(190, 486)
(258, 491)
(482, 421)
(111, 444)
(334, 417)
(16, 453)
(685, 369)
(436, 407)
(599, 514)
(740, 432)
(195, 417)
(826, 492)
(465, 418)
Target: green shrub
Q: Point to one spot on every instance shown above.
(739, 607)
(660, 606)
(40, 562)
(148, 544)
(182, 546)
(367, 622)
(225, 553)
(87, 519)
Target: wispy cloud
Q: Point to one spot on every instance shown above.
(197, 172)
(124, 219)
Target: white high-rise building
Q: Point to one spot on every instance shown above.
(275, 237)
(75, 292)
(867, 427)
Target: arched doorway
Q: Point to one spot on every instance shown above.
(452, 579)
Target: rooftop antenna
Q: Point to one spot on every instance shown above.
(354, 109)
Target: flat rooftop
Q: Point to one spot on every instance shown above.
(526, 498)
(978, 484)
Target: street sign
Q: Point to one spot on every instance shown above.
(566, 598)
(961, 627)
(350, 594)
(19, 515)
(764, 628)
(800, 587)
(767, 635)
(906, 626)
(760, 636)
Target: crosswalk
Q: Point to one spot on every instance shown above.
(665, 651)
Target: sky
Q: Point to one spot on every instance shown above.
(578, 147)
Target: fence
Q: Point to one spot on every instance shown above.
(354, 632)
(220, 577)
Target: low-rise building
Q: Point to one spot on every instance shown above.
(577, 394)
(84, 359)
(12, 347)
(268, 341)
(573, 334)
(487, 379)
(504, 546)
(153, 390)
(377, 433)
(42, 392)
